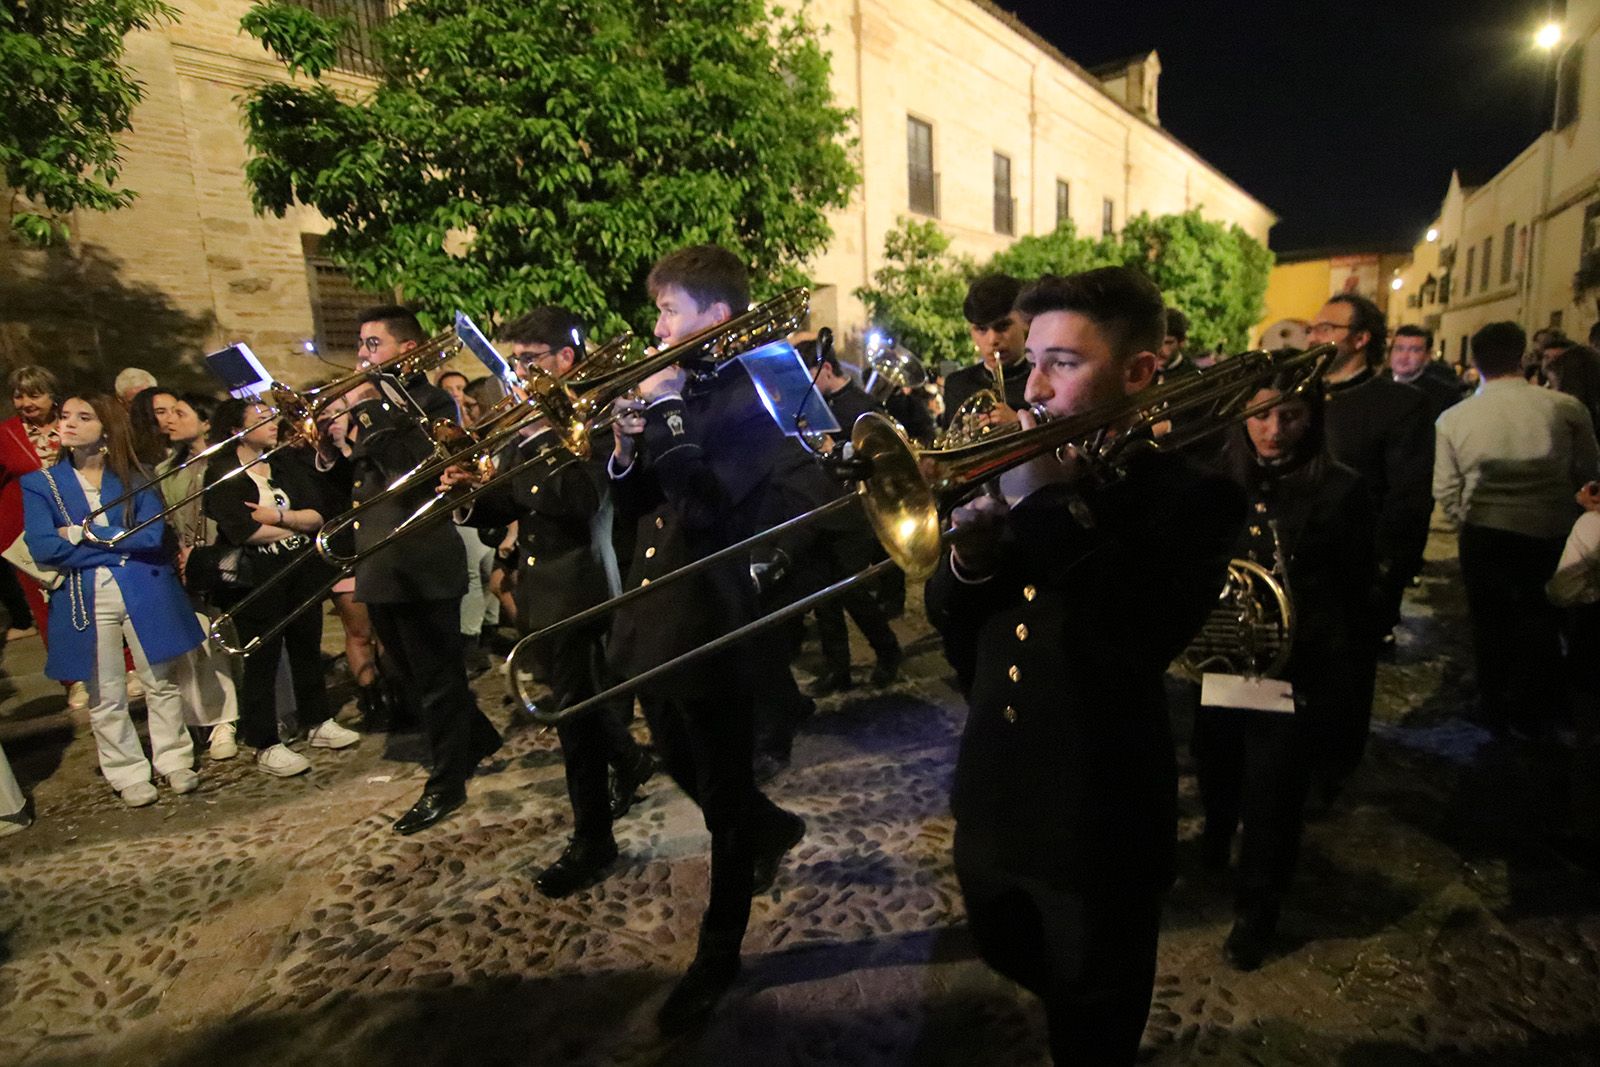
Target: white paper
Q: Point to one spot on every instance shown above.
(1237, 691)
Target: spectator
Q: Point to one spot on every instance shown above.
(1173, 362)
(1576, 588)
(103, 601)
(150, 444)
(455, 383)
(28, 440)
(1509, 460)
(14, 814)
(130, 382)
(1576, 372)
(1411, 363)
(1257, 766)
(270, 512)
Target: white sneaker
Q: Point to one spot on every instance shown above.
(282, 761)
(224, 744)
(329, 734)
(138, 794)
(77, 696)
(183, 781)
(135, 687)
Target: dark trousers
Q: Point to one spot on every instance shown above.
(302, 639)
(1254, 766)
(423, 637)
(1090, 956)
(575, 671)
(869, 618)
(1583, 656)
(1516, 632)
(705, 744)
(11, 597)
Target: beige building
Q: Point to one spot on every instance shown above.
(965, 116)
(1508, 249)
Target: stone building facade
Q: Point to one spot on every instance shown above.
(1508, 249)
(965, 116)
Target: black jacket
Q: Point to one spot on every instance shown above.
(1439, 384)
(1383, 429)
(848, 404)
(429, 563)
(228, 502)
(1066, 766)
(554, 502)
(960, 384)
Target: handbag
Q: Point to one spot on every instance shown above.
(217, 567)
(17, 554)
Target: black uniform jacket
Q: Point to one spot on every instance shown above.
(429, 563)
(713, 469)
(1325, 524)
(848, 404)
(1439, 384)
(960, 384)
(1384, 429)
(1066, 768)
(554, 502)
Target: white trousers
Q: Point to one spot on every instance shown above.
(475, 604)
(205, 680)
(122, 760)
(11, 798)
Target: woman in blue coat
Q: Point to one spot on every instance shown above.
(126, 592)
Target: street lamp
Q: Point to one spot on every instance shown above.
(1548, 36)
(1432, 234)
(1396, 284)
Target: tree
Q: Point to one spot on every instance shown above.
(68, 100)
(519, 152)
(916, 295)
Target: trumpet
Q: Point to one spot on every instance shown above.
(906, 490)
(302, 411)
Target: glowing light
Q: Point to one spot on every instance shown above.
(309, 346)
(874, 340)
(1396, 284)
(1548, 36)
(1433, 234)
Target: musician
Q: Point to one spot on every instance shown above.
(693, 471)
(556, 504)
(1060, 612)
(1173, 363)
(413, 587)
(1384, 430)
(1256, 765)
(998, 333)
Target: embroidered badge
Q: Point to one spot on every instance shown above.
(364, 418)
(675, 424)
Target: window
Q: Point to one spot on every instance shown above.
(1108, 217)
(357, 51)
(1466, 279)
(336, 304)
(922, 181)
(1591, 228)
(1488, 258)
(1466, 356)
(1568, 76)
(1063, 201)
(1005, 208)
(1508, 252)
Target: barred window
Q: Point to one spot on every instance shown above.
(1005, 208)
(1063, 201)
(922, 182)
(358, 51)
(336, 303)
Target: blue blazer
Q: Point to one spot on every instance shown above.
(162, 617)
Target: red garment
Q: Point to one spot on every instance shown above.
(17, 457)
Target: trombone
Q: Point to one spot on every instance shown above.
(906, 490)
(301, 410)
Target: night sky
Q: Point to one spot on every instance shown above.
(1345, 119)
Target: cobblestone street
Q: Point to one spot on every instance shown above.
(270, 921)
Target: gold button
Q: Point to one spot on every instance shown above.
(1022, 631)
(356, 525)
(534, 489)
(660, 522)
(358, 483)
(531, 561)
(1014, 672)
(1010, 714)
(644, 582)
(1029, 592)
(1255, 531)
(650, 553)
(1260, 506)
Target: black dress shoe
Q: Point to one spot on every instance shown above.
(581, 864)
(770, 852)
(888, 668)
(1248, 942)
(429, 810)
(697, 994)
(625, 784)
(835, 681)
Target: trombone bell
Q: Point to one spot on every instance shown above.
(899, 502)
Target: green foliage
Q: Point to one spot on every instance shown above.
(916, 295)
(306, 41)
(1214, 273)
(519, 152)
(68, 100)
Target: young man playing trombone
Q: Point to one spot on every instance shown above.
(1061, 606)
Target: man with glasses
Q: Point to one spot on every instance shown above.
(413, 588)
(563, 518)
(1384, 430)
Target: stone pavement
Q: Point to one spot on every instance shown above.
(267, 921)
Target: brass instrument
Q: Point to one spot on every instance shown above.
(906, 490)
(891, 369)
(302, 411)
(972, 421)
(1251, 630)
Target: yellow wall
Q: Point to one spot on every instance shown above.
(1295, 291)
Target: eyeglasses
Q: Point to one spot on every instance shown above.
(371, 344)
(525, 358)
